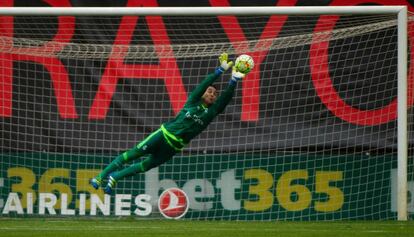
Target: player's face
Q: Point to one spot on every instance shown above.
(209, 96)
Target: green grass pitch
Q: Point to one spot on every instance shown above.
(154, 228)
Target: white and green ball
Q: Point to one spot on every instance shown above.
(244, 63)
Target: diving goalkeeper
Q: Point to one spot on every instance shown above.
(200, 109)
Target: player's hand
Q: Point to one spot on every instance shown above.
(236, 75)
(225, 64)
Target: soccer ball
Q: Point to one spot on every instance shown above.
(244, 63)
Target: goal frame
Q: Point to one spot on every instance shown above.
(400, 11)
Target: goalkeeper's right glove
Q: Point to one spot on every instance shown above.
(236, 76)
(224, 63)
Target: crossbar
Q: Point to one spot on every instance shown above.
(196, 11)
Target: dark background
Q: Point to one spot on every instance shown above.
(292, 117)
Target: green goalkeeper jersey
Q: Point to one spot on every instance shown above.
(195, 116)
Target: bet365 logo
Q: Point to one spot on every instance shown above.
(173, 203)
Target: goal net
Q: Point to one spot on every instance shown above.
(311, 132)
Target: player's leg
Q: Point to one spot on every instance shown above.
(138, 151)
(162, 154)
(117, 163)
(151, 162)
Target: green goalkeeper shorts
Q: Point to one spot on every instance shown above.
(156, 146)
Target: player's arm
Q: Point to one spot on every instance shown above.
(225, 97)
(209, 80)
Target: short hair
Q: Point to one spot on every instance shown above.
(214, 86)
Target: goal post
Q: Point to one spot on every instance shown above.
(200, 11)
(239, 127)
(402, 114)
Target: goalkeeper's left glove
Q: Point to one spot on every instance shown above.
(236, 76)
(224, 63)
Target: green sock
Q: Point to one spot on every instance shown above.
(114, 165)
(129, 171)
(120, 161)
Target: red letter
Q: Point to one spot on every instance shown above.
(323, 83)
(6, 64)
(251, 84)
(166, 70)
(58, 73)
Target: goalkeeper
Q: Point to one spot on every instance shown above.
(200, 109)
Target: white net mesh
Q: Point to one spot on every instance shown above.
(188, 47)
(310, 133)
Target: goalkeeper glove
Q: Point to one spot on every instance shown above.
(236, 76)
(224, 63)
